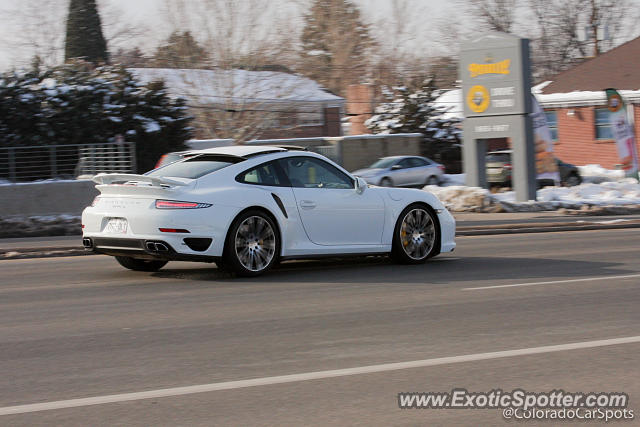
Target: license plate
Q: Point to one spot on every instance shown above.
(116, 226)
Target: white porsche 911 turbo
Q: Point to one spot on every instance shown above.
(248, 207)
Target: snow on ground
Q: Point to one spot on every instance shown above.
(601, 187)
(597, 174)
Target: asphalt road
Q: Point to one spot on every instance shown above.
(82, 327)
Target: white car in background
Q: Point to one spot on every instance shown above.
(247, 207)
(402, 171)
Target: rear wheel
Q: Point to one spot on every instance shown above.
(573, 180)
(416, 236)
(432, 180)
(140, 264)
(253, 244)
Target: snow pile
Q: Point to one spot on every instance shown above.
(597, 174)
(458, 198)
(625, 192)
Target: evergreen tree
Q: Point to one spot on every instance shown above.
(335, 44)
(180, 51)
(84, 33)
(79, 104)
(409, 110)
(414, 111)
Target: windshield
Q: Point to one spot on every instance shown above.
(195, 167)
(383, 163)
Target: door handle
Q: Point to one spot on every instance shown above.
(307, 204)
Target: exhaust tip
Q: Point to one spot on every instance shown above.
(151, 247)
(161, 247)
(87, 243)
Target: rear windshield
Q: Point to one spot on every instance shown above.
(195, 167)
(501, 157)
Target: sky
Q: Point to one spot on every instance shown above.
(151, 14)
(429, 22)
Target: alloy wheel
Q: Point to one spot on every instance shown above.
(417, 234)
(255, 243)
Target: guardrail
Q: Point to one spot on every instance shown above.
(20, 164)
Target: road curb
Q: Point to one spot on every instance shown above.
(484, 230)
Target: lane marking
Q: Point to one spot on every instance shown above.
(517, 285)
(282, 379)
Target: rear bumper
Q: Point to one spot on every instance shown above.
(150, 249)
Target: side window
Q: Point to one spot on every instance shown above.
(308, 172)
(405, 163)
(416, 162)
(266, 174)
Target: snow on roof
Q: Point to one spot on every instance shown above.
(237, 86)
(453, 99)
(582, 98)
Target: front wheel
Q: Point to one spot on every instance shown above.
(253, 244)
(386, 182)
(416, 236)
(140, 264)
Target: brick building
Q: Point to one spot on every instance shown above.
(574, 102)
(274, 104)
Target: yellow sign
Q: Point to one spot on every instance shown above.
(501, 67)
(478, 98)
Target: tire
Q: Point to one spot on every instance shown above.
(386, 182)
(573, 180)
(416, 236)
(433, 180)
(140, 264)
(253, 244)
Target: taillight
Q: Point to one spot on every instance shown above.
(507, 166)
(95, 201)
(441, 167)
(175, 204)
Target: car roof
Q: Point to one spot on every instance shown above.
(401, 157)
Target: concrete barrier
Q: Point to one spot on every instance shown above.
(46, 198)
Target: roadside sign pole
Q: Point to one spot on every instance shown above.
(496, 86)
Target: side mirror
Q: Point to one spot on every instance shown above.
(361, 185)
(396, 167)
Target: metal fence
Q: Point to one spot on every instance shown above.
(65, 161)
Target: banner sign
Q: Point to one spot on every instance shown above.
(622, 133)
(546, 165)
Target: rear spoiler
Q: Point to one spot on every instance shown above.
(111, 178)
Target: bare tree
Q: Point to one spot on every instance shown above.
(249, 45)
(37, 27)
(497, 15)
(570, 31)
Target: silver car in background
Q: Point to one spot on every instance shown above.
(402, 171)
